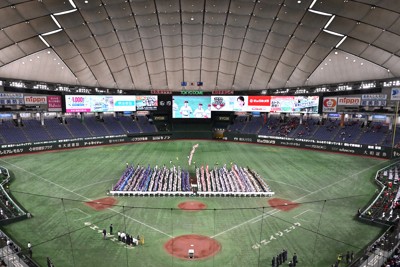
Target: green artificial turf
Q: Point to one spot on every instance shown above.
(329, 187)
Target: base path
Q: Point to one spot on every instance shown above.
(192, 206)
(282, 204)
(202, 246)
(102, 203)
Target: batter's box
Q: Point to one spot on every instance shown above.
(76, 214)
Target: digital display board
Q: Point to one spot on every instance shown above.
(99, 103)
(240, 103)
(288, 104)
(306, 104)
(197, 107)
(146, 102)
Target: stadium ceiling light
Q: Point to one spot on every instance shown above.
(312, 4)
(341, 41)
(72, 3)
(44, 41)
(55, 21)
(319, 12)
(52, 32)
(329, 21)
(333, 33)
(65, 12)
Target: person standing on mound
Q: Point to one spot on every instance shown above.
(104, 233)
(111, 229)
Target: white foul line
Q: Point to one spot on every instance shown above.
(66, 189)
(279, 182)
(260, 217)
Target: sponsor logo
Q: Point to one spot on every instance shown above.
(191, 92)
(35, 100)
(161, 92)
(259, 100)
(395, 94)
(218, 102)
(222, 92)
(349, 101)
(329, 104)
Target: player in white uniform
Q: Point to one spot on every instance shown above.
(186, 110)
(207, 113)
(199, 112)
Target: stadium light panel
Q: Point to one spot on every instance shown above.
(44, 41)
(319, 12)
(341, 41)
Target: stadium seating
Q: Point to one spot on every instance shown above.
(35, 131)
(95, 126)
(113, 125)
(145, 125)
(56, 129)
(77, 128)
(11, 133)
(129, 125)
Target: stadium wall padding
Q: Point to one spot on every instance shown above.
(331, 146)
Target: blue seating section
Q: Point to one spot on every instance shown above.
(35, 131)
(56, 129)
(129, 125)
(113, 125)
(145, 125)
(95, 126)
(77, 128)
(12, 133)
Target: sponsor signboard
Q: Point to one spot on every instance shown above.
(349, 101)
(54, 103)
(374, 100)
(11, 99)
(146, 102)
(282, 104)
(99, 103)
(329, 104)
(395, 94)
(240, 103)
(35, 100)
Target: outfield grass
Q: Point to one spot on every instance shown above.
(330, 187)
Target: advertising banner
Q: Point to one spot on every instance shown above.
(11, 99)
(306, 104)
(146, 102)
(54, 103)
(395, 94)
(349, 101)
(240, 103)
(99, 103)
(329, 104)
(75, 103)
(35, 100)
(259, 103)
(282, 103)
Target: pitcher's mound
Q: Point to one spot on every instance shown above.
(202, 246)
(102, 203)
(282, 204)
(192, 206)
